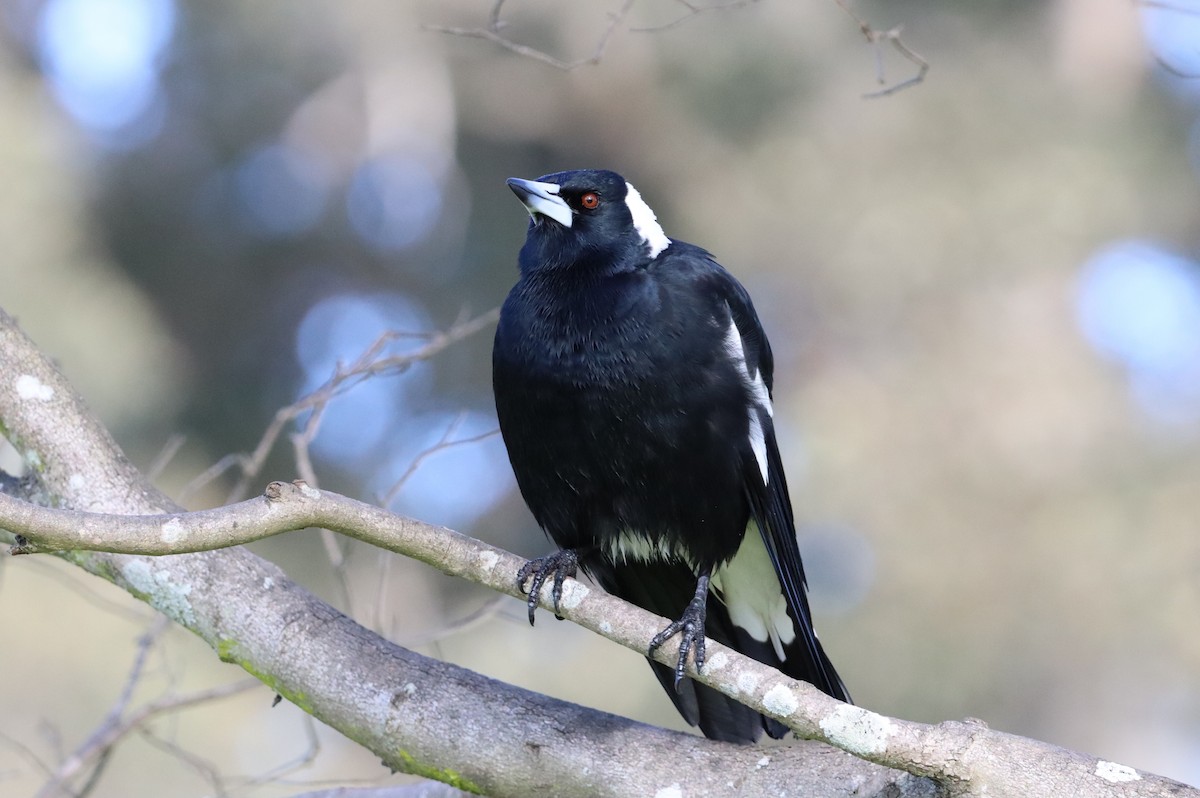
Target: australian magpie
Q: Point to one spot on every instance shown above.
(633, 387)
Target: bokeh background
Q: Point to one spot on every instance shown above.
(983, 294)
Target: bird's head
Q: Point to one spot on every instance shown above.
(587, 219)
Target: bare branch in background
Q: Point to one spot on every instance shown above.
(165, 456)
(693, 10)
(491, 32)
(98, 745)
(446, 441)
(879, 38)
(371, 363)
(118, 724)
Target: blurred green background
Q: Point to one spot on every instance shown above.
(981, 292)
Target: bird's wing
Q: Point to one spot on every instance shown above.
(766, 492)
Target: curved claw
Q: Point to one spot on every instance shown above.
(562, 564)
(691, 625)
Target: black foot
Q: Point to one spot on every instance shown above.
(690, 626)
(562, 563)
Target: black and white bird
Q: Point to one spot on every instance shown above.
(633, 387)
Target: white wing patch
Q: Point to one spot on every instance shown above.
(646, 222)
(761, 398)
(750, 589)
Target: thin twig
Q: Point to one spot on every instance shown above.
(304, 760)
(370, 363)
(1174, 70)
(27, 752)
(492, 34)
(165, 456)
(892, 36)
(693, 10)
(111, 732)
(207, 770)
(135, 612)
(442, 444)
(460, 625)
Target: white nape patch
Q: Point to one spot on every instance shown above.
(750, 589)
(1111, 771)
(646, 222)
(30, 387)
(858, 730)
(758, 393)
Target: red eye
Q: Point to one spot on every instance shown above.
(590, 200)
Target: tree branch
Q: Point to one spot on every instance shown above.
(428, 717)
(951, 753)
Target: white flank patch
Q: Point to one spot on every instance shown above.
(646, 222)
(750, 589)
(758, 393)
(781, 701)
(1111, 771)
(857, 730)
(30, 387)
(674, 791)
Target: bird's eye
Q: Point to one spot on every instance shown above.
(590, 200)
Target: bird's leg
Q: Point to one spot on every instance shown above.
(691, 625)
(562, 563)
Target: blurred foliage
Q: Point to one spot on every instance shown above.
(1020, 533)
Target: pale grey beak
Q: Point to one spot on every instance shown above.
(541, 199)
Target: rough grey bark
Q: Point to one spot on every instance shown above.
(424, 716)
